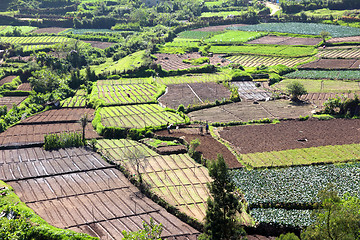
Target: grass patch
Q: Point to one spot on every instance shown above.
(232, 37)
(195, 35)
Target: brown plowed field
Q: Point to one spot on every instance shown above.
(26, 134)
(248, 91)
(344, 39)
(101, 45)
(24, 87)
(96, 199)
(285, 40)
(217, 28)
(193, 94)
(318, 99)
(209, 146)
(50, 30)
(285, 135)
(60, 115)
(6, 80)
(332, 64)
(10, 101)
(246, 111)
(174, 61)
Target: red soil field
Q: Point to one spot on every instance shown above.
(217, 28)
(209, 147)
(24, 87)
(285, 40)
(332, 64)
(193, 93)
(10, 101)
(6, 80)
(286, 135)
(50, 30)
(29, 134)
(88, 195)
(344, 39)
(101, 45)
(60, 115)
(174, 61)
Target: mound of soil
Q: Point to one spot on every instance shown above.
(209, 147)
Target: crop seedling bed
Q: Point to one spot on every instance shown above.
(355, 39)
(323, 74)
(332, 64)
(318, 99)
(218, 28)
(248, 91)
(286, 135)
(194, 78)
(193, 94)
(282, 40)
(339, 53)
(61, 115)
(10, 101)
(7, 79)
(256, 61)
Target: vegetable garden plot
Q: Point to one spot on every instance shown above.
(138, 116)
(194, 78)
(281, 40)
(122, 94)
(292, 134)
(255, 61)
(339, 53)
(78, 100)
(19, 135)
(193, 94)
(323, 74)
(248, 91)
(34, 40)
(10, 101)
(176, 178)
(303, 156)
(60, 115)
(332, 64)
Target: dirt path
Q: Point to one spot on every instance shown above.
(273, 7)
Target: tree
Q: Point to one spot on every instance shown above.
(138, 159)
(44, 81)
(221, 221)
(324, 35)
(336, 219)
(296, 89)
(151, 231)
(84, 121)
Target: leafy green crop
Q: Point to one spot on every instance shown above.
(293, 217)
(320, 74)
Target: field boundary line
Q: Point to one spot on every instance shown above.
(194, 93)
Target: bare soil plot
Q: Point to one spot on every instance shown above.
(101, 45)
(255, 61)
(248, 91)
(217, 28)
(331, 64)
(24, 87)
(175, 61)
(340, 53)
(50, 30)
(19, 135)
(286, 135)
(318, 99)
(10, 101)
(193, 94)
(91, 197)
(246, 111)
(279, 40)
(7, 79)
(344, 39)
(60, 115)
(209, 147)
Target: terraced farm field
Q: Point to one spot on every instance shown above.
(318, 99)
(60, 115)
(43, 40)
(7, 79)
(194, 78)
(138, 116)
(10, 101)
(332, 64)
(115, 93)
(282, 40)
(324, 74)
(78, 100)
(255, 61)
(248, 91)
(75, 189)
(175, 178)
(340, 53)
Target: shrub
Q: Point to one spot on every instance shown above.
(63, 140)
(296, 89)
(241, 76)
(301, 118)
(181, 108)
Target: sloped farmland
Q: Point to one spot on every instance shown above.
(178, 179)
(10, 101)
(138, 116)
(60, 115)
(89, 196)
(248, 91)
(255, 61)
(194, 78)
(340, 53)
(78, 100)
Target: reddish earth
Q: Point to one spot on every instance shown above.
(101, 45)
(332, 64)
(10, 101)
(217, 28)
(24, 87)
(193, 94)
(344, 39)
(60, 115)
(50, 30)
(286, 135)
(318, 99)
(75, 189)
(175, 61)
(285, 40)
(7, 79)
(209, 147)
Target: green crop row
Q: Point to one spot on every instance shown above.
(233, 37)
(302, 28)
(34, 40)
(296, 185)
(321, 74)
(266, 50)
(195, 34)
